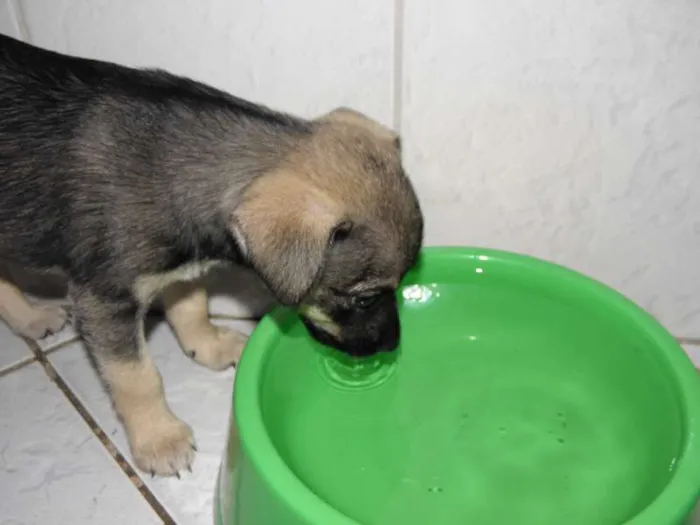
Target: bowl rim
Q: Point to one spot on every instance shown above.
(678, 496)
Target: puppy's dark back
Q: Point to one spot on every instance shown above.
(98, 159)
(111, 173)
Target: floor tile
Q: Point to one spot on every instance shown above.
(694, 352)
(12, 348)
(57, 339)
(52, 467)
(199, 396)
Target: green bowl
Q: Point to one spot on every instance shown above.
(522, 393)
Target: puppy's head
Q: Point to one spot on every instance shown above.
(334, 229)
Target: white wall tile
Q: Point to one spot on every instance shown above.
(567, 130)
(306, 56)
(52, 467)
(8, 19)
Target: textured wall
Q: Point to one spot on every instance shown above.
(9, 19)
(306, 56)
(567, 129)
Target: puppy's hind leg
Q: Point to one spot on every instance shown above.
(24, 318)
(114, 337)
(187, 311)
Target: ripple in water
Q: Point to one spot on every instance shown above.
(348, 373)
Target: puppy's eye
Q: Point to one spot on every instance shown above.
(365, 301)
(340, 232)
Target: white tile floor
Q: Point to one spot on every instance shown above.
(14, 350)
(55, 469)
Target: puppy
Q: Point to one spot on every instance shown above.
(133, 183)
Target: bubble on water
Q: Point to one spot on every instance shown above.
(435, 489)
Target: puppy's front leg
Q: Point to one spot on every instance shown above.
(113, 334)
(187, 311)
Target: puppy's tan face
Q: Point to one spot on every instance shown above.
(335, 229)
(353, 306)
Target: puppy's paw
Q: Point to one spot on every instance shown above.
(220, 348)
(163, 447)
(44, 319)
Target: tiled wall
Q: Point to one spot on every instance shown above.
(567, 129)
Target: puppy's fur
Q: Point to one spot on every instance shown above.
(132, 183)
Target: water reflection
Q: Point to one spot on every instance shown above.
(419, 293)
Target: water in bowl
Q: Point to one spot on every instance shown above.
(491, 423)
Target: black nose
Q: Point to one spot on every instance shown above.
(389, 338)
(360, 342)
(388, 341)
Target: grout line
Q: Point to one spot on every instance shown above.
(101, 435)
(61, 344)
(18, 20)
(16, 366)
(397, 77)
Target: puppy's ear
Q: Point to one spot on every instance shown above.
(287, 225)
(355, 118)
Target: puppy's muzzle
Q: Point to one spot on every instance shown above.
(358, 341)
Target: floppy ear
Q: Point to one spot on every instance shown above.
(286, 224)
(355, 118)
